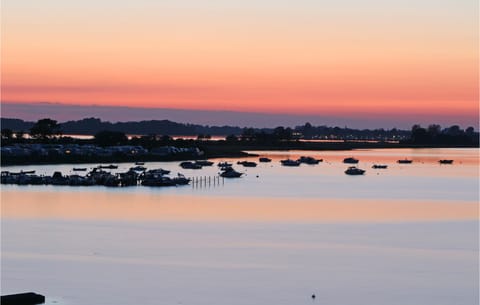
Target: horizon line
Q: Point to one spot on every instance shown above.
(32, 111)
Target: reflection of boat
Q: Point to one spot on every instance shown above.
(204, 162)
(247, 163)
(445, 161)
(379, 166)
(190, 165)
(350, 160)
(352, 170)
(309, 160)
(404, 161)
(290, 162)
(231, 173)
(111, 166)
(264, 159)
(79, 169)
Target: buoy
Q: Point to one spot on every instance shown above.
(313, 297)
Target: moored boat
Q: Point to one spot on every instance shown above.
(290, 162)
(352, 170)
(379, 166)
(190, 165)
(309, 160)
(264, 159)
(204, 162)
(350, 160)
(224, 164)
(111, 166)
(158, 171)
(231, 173)
(405, 161)
(247, 163)
(79, 169)
(445, 161)
(138, 168)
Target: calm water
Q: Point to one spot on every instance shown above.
(404, 235)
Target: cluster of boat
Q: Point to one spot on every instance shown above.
(226, 169)
(98, 176)
(353, 170)
(139, 175)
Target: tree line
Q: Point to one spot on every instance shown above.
(48, 130)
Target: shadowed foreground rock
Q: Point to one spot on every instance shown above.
(28, 298)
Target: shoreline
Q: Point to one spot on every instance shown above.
(214, 150)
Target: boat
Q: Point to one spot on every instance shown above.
(350, 160)
(190, 165)
(139, 163)
(309, 160)
(264, 159)
(181, 180)
(138, 168)
(79, 169)
(445, 161)
(289, 162)
(159, 181)
(111, 166)
(224, 164)
(352, 170)
(204, 162)
(158, 171)
(27, 172)
(226, 168)
(404, 161)
(231, 173)
(379, 166)
(247, 163)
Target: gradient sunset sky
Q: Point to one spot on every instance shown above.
(350, 58)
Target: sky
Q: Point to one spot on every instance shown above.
(394, 61)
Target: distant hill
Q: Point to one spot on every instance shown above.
(16, 124)
(91, 126)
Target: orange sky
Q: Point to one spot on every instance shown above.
(305, 58)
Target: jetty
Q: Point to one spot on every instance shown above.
(27, 298)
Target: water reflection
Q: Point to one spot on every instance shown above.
(141, 206)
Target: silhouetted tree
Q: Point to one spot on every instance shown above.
(110, 138)
(282, 133)
(7, 134)
(20, 135)
(454, 130)
(231, 138)
(434, 130)
(420, 135)
(45, 129)
(204, 137)
(248, 134)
